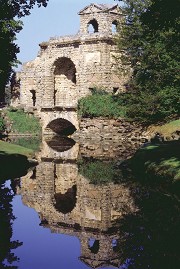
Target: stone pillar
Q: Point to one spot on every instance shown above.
(48, 98)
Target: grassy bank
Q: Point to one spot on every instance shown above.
(166, 130)
(11, 149)
(14, 160)
(23, 123)
(159, 164)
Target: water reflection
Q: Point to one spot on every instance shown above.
(73, 205)
(7, 244)
(119, 223)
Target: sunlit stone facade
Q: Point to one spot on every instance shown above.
(66, 68)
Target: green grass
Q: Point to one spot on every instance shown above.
(9, 149)
(23, 123)
(159, 164)
(167, 129)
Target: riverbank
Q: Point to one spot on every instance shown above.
(14, 160)
(17, 122)
(158, 164)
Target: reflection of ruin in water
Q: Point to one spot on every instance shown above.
(73, 206)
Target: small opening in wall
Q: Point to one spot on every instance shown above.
(33, 174)
(114, 245)
(93, 245)
(33, 97)
(92, 26)
(114, 26)
(115, 90)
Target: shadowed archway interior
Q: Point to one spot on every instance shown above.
(61, 126)
(66, 202)
(60, 143)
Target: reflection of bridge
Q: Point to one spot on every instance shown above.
(67, 68)
(73, 206)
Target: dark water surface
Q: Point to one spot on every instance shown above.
(76, 211)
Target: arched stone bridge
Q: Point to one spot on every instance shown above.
(59, 121)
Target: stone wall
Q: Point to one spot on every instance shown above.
(109, 138)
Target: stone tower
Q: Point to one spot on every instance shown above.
(67, 67)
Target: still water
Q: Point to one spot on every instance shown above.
(79, 209)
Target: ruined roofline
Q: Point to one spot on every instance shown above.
(67, 40)
(101, 7)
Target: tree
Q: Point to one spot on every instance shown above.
(7, 244)
(10, 13)
(148, 41)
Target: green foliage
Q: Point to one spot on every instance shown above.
(149, 41)
(10, 25)
(2, 125)
(97, 172)
(24, 123)
(98, 104)
(159, 163)
(7, 243)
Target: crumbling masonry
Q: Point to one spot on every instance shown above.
(66, 68)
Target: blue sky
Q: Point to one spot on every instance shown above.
(57, 19)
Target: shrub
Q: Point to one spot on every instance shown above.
(100, 104)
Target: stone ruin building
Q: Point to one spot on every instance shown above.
(68, 67)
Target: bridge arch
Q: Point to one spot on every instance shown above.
(64, 72)
(61, 126)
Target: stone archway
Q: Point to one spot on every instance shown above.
(92, 26)
(61, 126)
(65, 94)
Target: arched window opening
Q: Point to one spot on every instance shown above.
(64, 82)
(64, 66)
(33, 92)
(114, 26)
(65, 203)
(92, 26)
(93, 245)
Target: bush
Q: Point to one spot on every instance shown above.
(100, 104)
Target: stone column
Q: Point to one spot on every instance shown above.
(48, 98)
